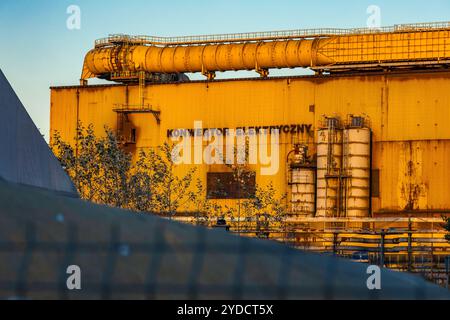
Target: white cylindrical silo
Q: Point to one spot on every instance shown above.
(329, 164)
(303, 191)
(357, 155)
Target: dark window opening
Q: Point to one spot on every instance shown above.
(224, 185)
(133, 135)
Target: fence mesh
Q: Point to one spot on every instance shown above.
(124, 255)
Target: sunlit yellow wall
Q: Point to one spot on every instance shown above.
(409, 115)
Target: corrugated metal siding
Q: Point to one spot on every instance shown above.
(406, 111)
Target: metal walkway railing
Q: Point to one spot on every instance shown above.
(263, 36)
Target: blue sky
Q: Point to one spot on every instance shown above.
(38, 51)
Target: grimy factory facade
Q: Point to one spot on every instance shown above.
(367, 136)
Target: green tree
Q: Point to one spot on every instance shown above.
(206, 209)
(265, 209)
(104, 173)
(141, 184)
(447, 227)
(170, 191)
(257, 205)
(98, 166)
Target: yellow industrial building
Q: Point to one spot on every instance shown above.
(366, 136)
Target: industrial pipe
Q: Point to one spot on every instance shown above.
(207, 58)
(409, 46)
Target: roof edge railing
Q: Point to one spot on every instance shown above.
(264, 36)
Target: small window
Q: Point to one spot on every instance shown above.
(224, 185)
(376, 183)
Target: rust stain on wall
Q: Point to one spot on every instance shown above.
(413, 192)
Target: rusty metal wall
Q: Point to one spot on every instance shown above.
(408, 113)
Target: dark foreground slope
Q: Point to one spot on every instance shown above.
(24, 155)
(124, 255)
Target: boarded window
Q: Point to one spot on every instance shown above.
(223, 185)
(376, 183)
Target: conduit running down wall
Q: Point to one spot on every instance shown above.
(405, 46)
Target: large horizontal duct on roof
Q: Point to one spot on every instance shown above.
(328, 49)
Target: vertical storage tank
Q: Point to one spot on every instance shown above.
(329, 165)
(303, 183)
(357, 155)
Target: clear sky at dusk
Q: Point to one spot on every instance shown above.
(39, 51)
